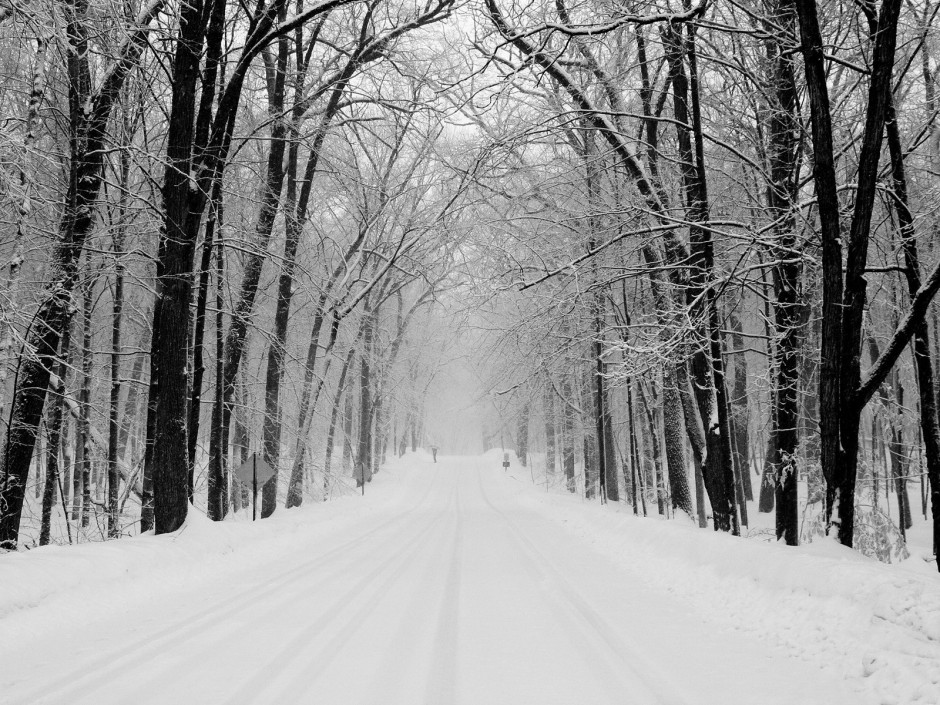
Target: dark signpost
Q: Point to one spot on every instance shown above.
(254, 472)
(505, 461)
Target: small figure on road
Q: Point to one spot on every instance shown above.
(434, 452)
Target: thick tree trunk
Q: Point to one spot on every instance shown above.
(841, 398)
(696, 435)
(783, 148)
(167, 435)
(824, 179)
(855, 285)
(674, 446)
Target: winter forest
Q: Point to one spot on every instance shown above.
(675, 258)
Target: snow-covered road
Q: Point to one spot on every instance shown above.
(451, 591)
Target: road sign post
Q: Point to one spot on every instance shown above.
(255, 472)
(505, 461)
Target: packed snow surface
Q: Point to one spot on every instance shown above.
(457, 582)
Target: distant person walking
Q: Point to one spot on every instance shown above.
(434, 452)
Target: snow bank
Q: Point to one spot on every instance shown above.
(877, 625)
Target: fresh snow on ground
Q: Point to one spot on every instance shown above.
(457, 582)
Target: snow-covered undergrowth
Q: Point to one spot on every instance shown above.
(82, 583)
(877, 625)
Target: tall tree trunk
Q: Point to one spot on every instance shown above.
(378, 405)
(567, 437)
(241, 445)
(607, 464)
(348, 456)
(548, 411)
(308, 398)
(673, 412)
(695, 432)
(117, 307)
(898, 454)
(634, 486)
(674, 446)
(364, 451)
(589, 427)
(78, 472)
(40, 456)
(522, 434)
(842, 396)
(783, 153)
(199, 329)
(167, 440)
(740, 414)
(929, 423)
(218, 440)
(706, 362)
(83, 428)
(334, 413)
(653, 436)
(131, 406)
(824, 179)
(54, 433)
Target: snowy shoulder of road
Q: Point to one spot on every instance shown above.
(55, 585)
(457, 582)
(875, 625)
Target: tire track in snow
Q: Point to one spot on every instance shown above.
(441, 688)
(286, 658)
(391, 675)
(84, 680)
(618, 655)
